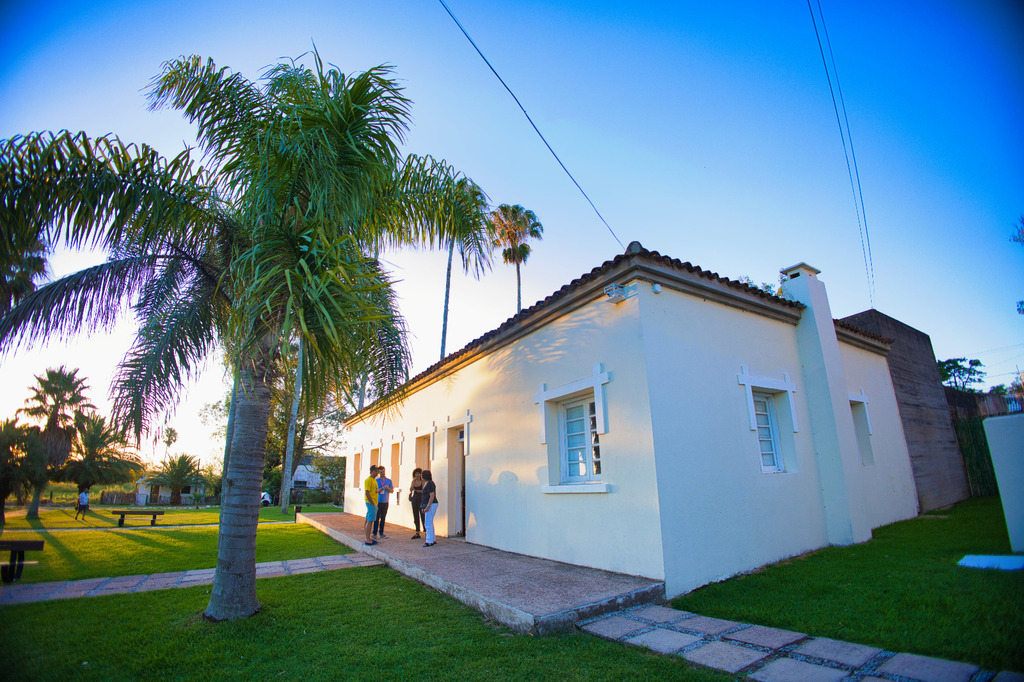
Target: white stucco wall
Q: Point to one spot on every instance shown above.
(507, 464)
(686, 499)
(886, 485)
(719, 512)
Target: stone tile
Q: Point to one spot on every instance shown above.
(853, 655)
(928, 669)
(23, 598)
(790, 670)
(709, 626)
(658, 614)
(663, 641)
(275, 573)
(114, 589)
(773, 638)
(1006, 676)
(723, 656)
(150, 585)
(614, 627)
(313, 568)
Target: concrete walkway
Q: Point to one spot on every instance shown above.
(774, 655)
(20, 593)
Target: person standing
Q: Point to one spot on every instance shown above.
(370, 497)
(384, 489)
(416, 497)
(83, 504)
(429, 507)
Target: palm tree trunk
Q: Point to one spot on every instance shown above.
(289, 449)
(234, 582)
(33, 506)
(447, 290)
(519, 291)
(230, 430)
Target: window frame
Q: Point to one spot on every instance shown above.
(591, 445)
(771, 422)
(550, 403)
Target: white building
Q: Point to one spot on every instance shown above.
(654, 419)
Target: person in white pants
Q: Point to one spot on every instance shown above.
(429, 507)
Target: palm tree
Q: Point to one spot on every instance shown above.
(473, 238)
(23, 263)
(178, 473)
(22, 460)
(512, 227)
(99, 455)
(57, 400)
(267, 246)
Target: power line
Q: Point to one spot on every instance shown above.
(535, 128)
(995, 350)
(844, 134)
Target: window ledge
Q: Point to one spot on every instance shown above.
(576, 488)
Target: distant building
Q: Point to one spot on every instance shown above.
(655, 419)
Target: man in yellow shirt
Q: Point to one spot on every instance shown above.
(370, 497)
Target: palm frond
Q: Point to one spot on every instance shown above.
(100, 192)
(90, 299)
(176, 336)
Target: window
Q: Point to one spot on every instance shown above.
(574, 412)
(300, 484)
(862, 427)
(767, 432)
(580, 441)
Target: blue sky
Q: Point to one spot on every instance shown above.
(705, 131)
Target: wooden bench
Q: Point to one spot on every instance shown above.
(12, 571)
(136, 512)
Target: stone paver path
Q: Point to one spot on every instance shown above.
(773, 655)
(20, 593)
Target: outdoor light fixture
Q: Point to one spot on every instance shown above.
(615, 293)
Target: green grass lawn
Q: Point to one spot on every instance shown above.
(137, 551)
(357, 623)
(901, 591)
(100, 516)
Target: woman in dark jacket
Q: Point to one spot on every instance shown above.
(416, 497)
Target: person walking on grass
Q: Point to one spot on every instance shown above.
(416, 497)
(429, 507)
(370, 496)
(384, 489)
(83, 504)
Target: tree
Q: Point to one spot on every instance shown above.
(99, 455)
(268, 245)
(57, 401)
(960, 373)
(474, 239)
(178, 473)
(24, 262)
(512, 227)
(22, 460)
